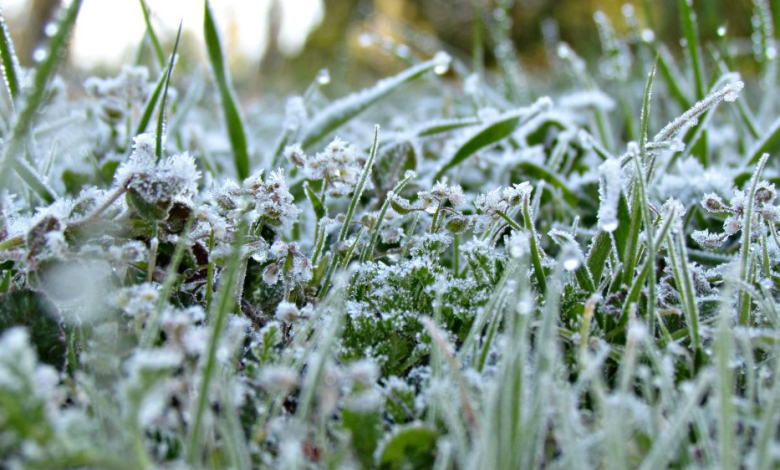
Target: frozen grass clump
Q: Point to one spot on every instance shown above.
(515, 271)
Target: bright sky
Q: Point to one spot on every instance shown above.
(108, 28)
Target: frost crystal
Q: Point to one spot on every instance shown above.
(273, 201)
(609, 193)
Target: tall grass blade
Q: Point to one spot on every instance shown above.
(10, 62)
(234, 123)
(159, 137)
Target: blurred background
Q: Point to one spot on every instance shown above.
(279, 45)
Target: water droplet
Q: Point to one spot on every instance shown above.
(721, 31)
(442, 62)
(50, 29)
(648, 35)
(609, 225)
(570, 264)
(39, 55)
(402, 51)
(323, 77)
(365, 40)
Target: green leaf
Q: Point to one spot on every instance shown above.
(493, 132)
(233, 121)
(409, 447)
(32, 100)
(151, 103)
(366, 429)
(691, 35)
(38, 315)
(10, 63)
(316, 204)
(161, 114)
(345, 109)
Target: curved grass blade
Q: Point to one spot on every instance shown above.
(32, 100)
(493, 132)
(11, 71)
(345, 109)
(161, 114)
(158, 52)
(744, 254)
(536, 253)
(532, 169)
(233, 121)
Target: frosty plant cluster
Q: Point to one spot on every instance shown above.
(455, 268)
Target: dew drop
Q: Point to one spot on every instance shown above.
(721, 31)
(570, 264)
(50, 29)
(323, 77)
(648, 35)
(365, 40)
(442, 60)
(609, 225)
(39, 55)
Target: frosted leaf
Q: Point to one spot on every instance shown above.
(610, 186)
(713, 203)
(729, 92)
(708, 240)
(273, 200)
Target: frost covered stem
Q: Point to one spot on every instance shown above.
(109, 202)
(224, 304)
(729, 93)
(351, 211)
(747, 223)
(509, 221)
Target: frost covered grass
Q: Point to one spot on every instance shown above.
(572, 271)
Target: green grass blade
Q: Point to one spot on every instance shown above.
(10, 62)
(691, 35)
(345, 109)
(151, 103)
(334, 261)
(32, 100)
(533, 241)
(492, 133)
(375, 231)
(217, 318)
(233, 120)
(158, 150)
(744, 254)
(158, 52)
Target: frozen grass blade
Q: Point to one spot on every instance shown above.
(42, 76)
(10, 62)
(234, 124)
(744, 253)
(151, 103)
(345, 109)
(376, 230)
(351, 210)
(225, 302)
(492, 133)
(533, 241)
(158, 151)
